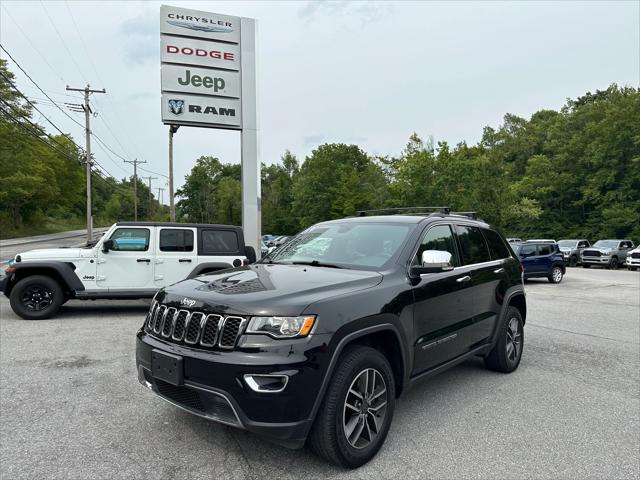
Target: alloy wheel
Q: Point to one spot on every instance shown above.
(365, 407)
(37, 298)
(557, 275)
(514, 340)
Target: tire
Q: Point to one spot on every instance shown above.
(501, 358)
(36, 297)
(633, 269)
(586, 266)
(613, 263)
(328, 436)
(556, 275)
(573, 261)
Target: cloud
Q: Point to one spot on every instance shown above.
(365, 11)
(312, 140)
(142, 32)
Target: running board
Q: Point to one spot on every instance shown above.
(451, 363)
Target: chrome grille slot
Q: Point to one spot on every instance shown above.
(210, 330)
(193, 328)
(179, 325)
(169, 318)
(230, 330)
(161, 311)
(151, 316)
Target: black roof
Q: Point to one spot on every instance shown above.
(413, 219)
(176, 224)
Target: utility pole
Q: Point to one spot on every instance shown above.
(149, 179)
(172, 207)
(160, 195)
(87, 133)
(135, 163)
(151, 209)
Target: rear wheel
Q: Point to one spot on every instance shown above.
(556, 275)
(507, 352)
(36, 297)
(356, 413)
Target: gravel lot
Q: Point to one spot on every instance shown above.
(71, 405)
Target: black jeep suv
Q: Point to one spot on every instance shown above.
(317, 341)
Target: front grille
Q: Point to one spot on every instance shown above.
(591, 253)
(635, 255)
(194, 328)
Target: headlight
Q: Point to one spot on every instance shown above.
(282, 327)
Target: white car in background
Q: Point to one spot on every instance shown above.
(633, 259)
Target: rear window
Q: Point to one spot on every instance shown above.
(176, 240)
(474, 248)
(497, 248)
(215, 242)
(546, 249)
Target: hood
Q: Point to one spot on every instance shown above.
(264, 289)
(53, 254)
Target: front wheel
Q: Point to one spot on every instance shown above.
(573, 261)
(507, 352)
(586, 266)
(36, 297)
(556, 275)
(613, 264)
(356, 413)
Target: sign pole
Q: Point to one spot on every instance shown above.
(251, 192)
(172, 207)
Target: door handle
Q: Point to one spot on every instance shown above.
(146, 260)
(499, 270)
(466, 278)
(182, 260)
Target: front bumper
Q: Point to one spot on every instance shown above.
(214, 387)
(4, 280)
(604, 260)
(633, 262)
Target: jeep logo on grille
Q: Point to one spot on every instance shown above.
(187, 302)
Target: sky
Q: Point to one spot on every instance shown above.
(368, 73)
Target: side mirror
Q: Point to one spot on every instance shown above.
(433, 261)
(107, 245)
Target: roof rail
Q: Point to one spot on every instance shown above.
(473, 215)
(405, 210)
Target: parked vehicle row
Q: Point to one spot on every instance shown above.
(611, 253)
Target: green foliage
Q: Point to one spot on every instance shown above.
(43, 177)
(568, 173)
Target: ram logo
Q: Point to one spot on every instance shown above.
(176, 106)
(187, 302)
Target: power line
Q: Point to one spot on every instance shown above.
(36, 108)
(34, 82)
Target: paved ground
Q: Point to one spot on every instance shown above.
(75, 238)
(71, 407)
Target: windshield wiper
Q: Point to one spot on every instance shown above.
(316, 263)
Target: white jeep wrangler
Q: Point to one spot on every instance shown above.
(131, 260)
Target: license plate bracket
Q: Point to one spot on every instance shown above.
(167, 367)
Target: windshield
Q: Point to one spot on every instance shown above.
(606, 243)
(365, 246)
(567, 243)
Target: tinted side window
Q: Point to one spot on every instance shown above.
(130, 239)
(545, 249)
(219, 241)
(527, 250)
(474, 248)
(582, 244)
(497, 248)
(176, 240)
(440, 238)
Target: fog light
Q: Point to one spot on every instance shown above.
(267, 383)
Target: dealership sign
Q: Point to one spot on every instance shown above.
(201, 68)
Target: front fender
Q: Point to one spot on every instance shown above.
(62, 271)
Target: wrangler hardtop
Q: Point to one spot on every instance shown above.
(131, 260)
